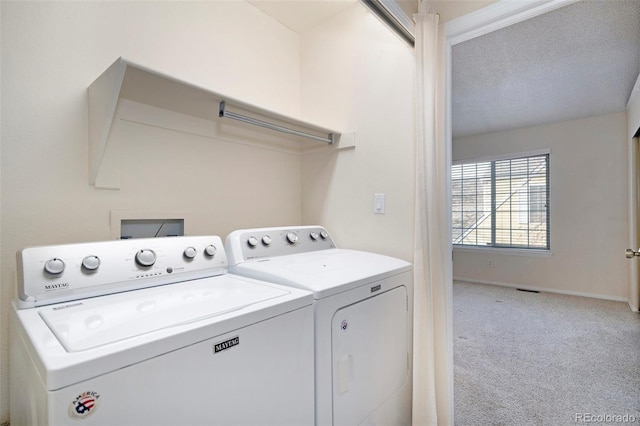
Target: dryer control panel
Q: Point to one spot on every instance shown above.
(248, 244)
(53, 274)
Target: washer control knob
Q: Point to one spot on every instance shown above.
(313, 236)
(54, 266)
(266, 240)
(145, 257)
(324, 235)
(252, 241)
(190, 252)
(210, 250)
(91, 263)
(292, 237)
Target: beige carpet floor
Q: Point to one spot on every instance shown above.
(523, 358)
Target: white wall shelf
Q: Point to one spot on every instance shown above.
(126, 81)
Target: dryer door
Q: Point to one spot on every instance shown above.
(369, 355)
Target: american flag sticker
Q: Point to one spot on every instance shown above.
(84, 404)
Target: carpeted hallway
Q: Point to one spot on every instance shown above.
(524, 358)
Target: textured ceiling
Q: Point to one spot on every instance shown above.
(577, 61)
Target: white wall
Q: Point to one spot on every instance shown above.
(51, 53)
(360, 76)
(588, 190)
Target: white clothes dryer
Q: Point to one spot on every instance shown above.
(156, 332)
(363, 318)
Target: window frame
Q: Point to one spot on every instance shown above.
(511, 249)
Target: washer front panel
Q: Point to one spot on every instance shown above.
(257, 373)
(58, 367)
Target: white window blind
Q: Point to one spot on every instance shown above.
(501, 203)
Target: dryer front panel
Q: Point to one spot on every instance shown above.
(370, 354)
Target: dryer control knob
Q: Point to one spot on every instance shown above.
(324, 235)
(266, 240)
(91, 263)
(145, 257)
(252, 241)
(313, 236)
(54, 266)
(190, 252)
(210, 250)
(292, 237)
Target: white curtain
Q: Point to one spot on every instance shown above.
(433, 348)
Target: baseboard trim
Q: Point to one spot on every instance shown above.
(545, 289)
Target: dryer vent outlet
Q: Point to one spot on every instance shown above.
(151, 228)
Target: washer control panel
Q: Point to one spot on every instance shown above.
(53, 274)
(248, 244)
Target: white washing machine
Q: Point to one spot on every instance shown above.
(363, 318)
(156, 332)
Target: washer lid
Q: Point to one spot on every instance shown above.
(95, 322)
(324, 272)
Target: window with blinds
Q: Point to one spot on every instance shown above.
(501, 203)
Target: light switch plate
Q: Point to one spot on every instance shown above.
(378, 203)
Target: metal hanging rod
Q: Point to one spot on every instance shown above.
(249, 120)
